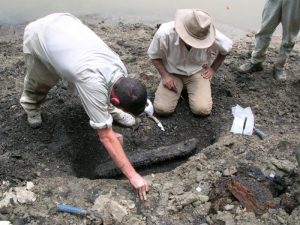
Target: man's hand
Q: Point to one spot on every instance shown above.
(208, 73)
(169, 83)
(167, 79)
(141, 185)
(113, 143)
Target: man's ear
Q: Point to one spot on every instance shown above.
(115, 101)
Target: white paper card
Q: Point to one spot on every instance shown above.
(240, 115)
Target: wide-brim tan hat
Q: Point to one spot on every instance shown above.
(195, 27)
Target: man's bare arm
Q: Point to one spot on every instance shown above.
(167, 78)
(114, 148)
(209, 72)
(218, 61)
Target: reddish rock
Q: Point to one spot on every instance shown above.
(253, 195)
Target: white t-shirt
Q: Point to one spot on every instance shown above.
(73, 51)
(166, 45)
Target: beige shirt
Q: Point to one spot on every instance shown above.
(73, 51)
(167, 45)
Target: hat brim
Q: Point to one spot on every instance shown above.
(186, 37)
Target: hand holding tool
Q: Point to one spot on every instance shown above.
(149, 110)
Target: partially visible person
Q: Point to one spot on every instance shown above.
(60, 46)
(286, 12)
(181, 51)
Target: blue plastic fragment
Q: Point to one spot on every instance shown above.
(71, 209)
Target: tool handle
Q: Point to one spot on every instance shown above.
(157, 122)
(71, 209)
(260, 133)
(154, 118)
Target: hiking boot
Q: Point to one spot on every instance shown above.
(34, 119)
(250, 67)
(122, 117)
(280, 74)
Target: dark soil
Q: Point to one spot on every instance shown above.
(66, 145)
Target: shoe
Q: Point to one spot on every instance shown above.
(280, 74)
(34, 119)
(250, 67)
(122, 117)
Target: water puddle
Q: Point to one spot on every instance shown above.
(245, 15)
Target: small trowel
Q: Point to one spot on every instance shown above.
(149, 110)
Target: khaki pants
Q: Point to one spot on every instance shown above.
(286, 12)
(199, 93)
(38, 81)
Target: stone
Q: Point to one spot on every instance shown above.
(203, 198)
(29, 185)
(24, 196)
(230, 171)
(284, 165)
(228, 207)
(110, 211)
(254, 196)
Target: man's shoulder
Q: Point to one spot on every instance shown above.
(166, 29)
(222, 38)
(223, 43)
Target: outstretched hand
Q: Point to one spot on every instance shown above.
(141, 185)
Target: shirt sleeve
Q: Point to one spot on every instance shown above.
(158, 45)
(94, 97)
(222, 43)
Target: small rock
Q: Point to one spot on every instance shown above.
(281, 220)
(203, 198)
(240, 210)
(24, 196)
(284, 165)
(265, 216)
(202, 209)
(9, 198)
(38, 174)
(228, 207)
(177, 190)
(186, 199)
(128, 203)
(111, 211)
(156, 185)
(230, 171)
(226, 217)
(29, 185)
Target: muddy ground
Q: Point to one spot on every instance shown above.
(61, 157)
